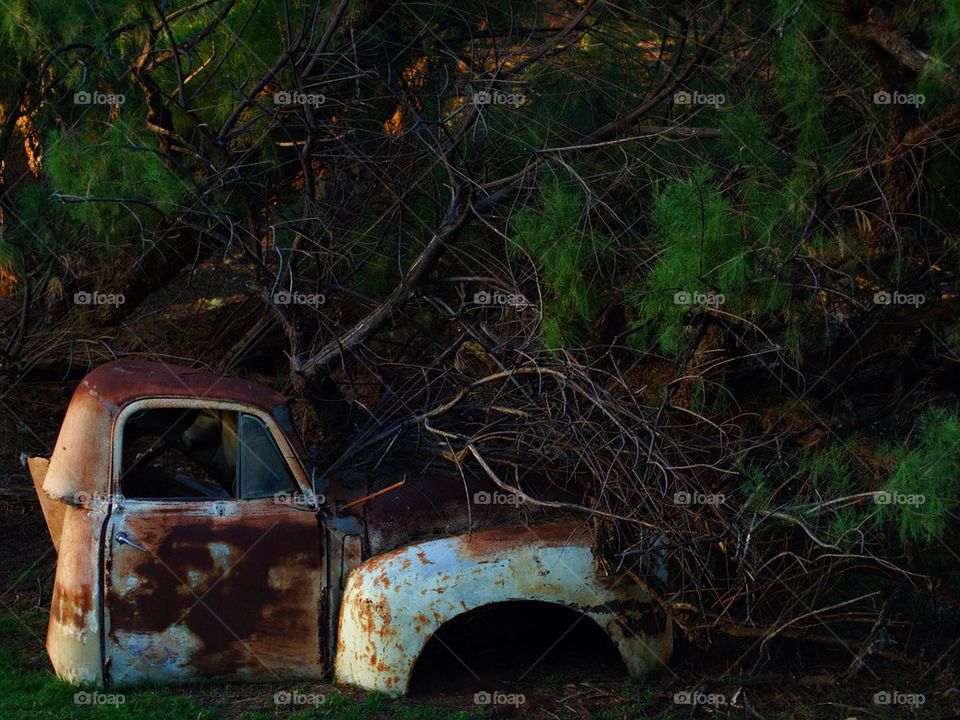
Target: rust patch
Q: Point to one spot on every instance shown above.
(373, 616)
(352, 554)
(248, 589)
(68, 607)
(505, 539)
(76, 569)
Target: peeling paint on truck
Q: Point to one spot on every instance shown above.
(394, 603)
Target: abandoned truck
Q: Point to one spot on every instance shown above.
(195, 543)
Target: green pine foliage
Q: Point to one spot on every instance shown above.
(834, 473)
(924, 489)
(739, 240)
(800, 78)
(39, 228)
(36, 26)
(553, 234)
(119, 167)
(943, 25)
(700, 251)
(919, 496)
(756, 487)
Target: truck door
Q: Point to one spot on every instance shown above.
(213, 561)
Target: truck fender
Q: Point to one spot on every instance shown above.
(394, 603)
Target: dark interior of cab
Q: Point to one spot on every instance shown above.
(180, 453)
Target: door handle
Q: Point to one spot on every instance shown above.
(124, 540)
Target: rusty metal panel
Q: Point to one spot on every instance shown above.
(352, 555)
(53, 510)
(80, 464)
(344, 554)
(73, 633)
(216, 589)
(433, 504)
(394, 603)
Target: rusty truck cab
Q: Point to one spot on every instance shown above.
(189, 541)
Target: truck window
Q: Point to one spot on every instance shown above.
(188, 453)
(179, 453)
(263, 470)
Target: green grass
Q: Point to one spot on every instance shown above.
(30, 691)
(39, 695)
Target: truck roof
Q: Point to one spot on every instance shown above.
(121, 382)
